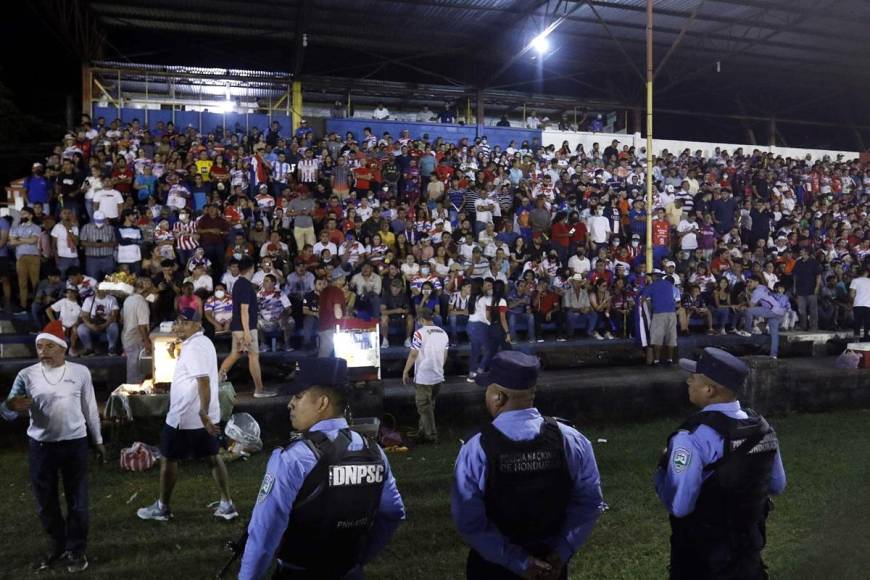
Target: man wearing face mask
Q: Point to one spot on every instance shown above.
(185, 236)
(99, 241)
(599, 229)
(135, 339)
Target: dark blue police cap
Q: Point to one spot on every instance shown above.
(719, 366)
(512, 370)
(324, 372)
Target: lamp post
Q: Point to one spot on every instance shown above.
(649, 138)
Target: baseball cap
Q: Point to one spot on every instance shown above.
(721, 367)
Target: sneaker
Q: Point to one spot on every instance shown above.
(722, 332)
(608, 336)
(539, 340)
(265, 394)
(597, 336)
(561, 339)
(385, 343)
(227, 513)
(288, 348)
(154, 512)
(471, 377)
(407, 343)
(264, 348)
(742, 333)
(47, 561)
(531, 341)
(76, 562)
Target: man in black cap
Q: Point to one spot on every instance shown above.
(716, 477)
(526, 492)
(328, 503)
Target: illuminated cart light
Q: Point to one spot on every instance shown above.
(359, 343)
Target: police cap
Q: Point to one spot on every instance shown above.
(511, 370)
(721, 367)
(329, 372)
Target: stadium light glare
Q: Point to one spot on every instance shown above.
(540, 43)
(226, 107)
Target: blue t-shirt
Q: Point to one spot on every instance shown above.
(4, 225)
(661, 294)
(244, 293)
(37, 189)
(427, 164)
(145, 185)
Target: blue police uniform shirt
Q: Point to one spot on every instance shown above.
(678, 487)
(467, 499)
(285, 473)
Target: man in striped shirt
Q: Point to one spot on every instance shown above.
(309, 169)
(99, 241)
(280, 172)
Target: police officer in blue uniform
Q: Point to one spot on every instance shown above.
(716, 477)
(527, 491)
(328, 502)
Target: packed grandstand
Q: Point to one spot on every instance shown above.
(401, 223)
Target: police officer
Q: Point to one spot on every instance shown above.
(328, 503)
(526, 492)
(716, 477)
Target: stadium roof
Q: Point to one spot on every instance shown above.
(798, 59)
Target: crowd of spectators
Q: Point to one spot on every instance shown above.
(521, 243)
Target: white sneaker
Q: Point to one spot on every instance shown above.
(742, 333)
(722, 332)
(597, 336)
(471, 377)
(265, 395)
(154, 512)
(608, 336)
(407, 343)
(385, 343)
(227, 513)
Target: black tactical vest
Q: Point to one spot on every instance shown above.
(528, 485)
(335, 507)
(724, 535)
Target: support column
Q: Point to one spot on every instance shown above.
(297, 105)
(87, 90)
(771, 132)
(480, 113)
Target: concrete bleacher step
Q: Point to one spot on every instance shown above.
(14, 344)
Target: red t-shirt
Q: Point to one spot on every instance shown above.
(363, 176)
(661, 233)
(330, 296)
(560, 234)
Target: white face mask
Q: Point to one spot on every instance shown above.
(184, 217)
(424, 271)
(219, 294)
(635, 243)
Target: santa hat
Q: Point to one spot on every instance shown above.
(53, 331)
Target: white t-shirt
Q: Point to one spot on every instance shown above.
(99, 309)
(482, 213)
(689, 241)
(59, 232)
(197, 359)
(579, 265)
(431, 343)
(229, 281)
(135, 313)
(68, 311)
(861, 286)
(106, 201)
(599, 229)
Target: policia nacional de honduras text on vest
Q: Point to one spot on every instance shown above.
(723, 537)
(527, 490)
(335, 508)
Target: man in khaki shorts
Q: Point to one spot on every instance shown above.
(661, 297)
(244, 328)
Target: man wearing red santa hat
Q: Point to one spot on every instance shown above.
(59, 398)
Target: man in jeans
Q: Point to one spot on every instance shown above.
(763, 304)
(578, 308)
(807, 276)
(24, 238)
(99, 241)
(427, 357)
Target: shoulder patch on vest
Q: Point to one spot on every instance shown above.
(265, 487)
(681, 459)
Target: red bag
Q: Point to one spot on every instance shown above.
(139, 457)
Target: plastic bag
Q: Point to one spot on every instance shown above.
(138, 457)
(244, 430)
(389, 436)
(848, 360)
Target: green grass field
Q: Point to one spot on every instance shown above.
(818, 529)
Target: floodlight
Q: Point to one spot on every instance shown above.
(540, 43)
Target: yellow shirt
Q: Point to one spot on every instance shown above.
(388, 238)
(203, 166)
